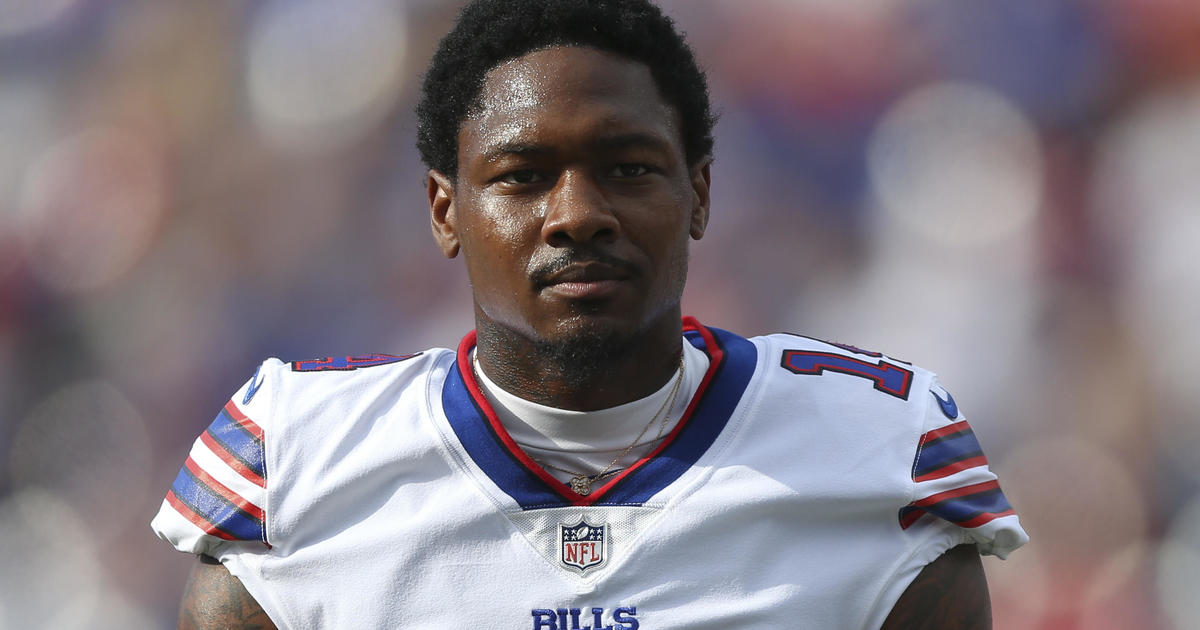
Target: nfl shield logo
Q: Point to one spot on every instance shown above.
(583, 545)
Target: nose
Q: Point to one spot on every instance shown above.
(578, 212)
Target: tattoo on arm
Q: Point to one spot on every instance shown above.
(215, 599)
(949, 593)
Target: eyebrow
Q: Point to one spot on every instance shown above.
(631, 140)
(613, 142)
(520, 149)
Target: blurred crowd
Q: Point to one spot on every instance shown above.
(1007, 193)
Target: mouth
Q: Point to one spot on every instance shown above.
(587, 280)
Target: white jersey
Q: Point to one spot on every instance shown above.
(805, 487)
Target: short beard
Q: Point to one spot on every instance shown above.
(586, 355)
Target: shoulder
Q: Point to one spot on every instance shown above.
(845, 370)
(288, 418)
(805, 383)
(839, 416)
(305, 408)
(280, 389)
(353, 363)
(284, 396)
(318, 375)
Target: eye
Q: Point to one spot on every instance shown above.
(629, 170)
(525, 176)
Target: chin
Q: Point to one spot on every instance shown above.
(615, 327)
(586, 345)
(591, 331)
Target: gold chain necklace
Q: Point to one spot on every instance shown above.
(581, 483)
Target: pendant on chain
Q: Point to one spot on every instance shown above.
(581, 485)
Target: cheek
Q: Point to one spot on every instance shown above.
(513, 219)
(678, 265)
(496, 246)
(675, 229)
(671, 254)
(500, 228)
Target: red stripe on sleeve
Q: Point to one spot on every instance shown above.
(957, 492)
(233, 462)
(950, 469)
(241, 419)
(221, 489)
(949, 429)
(984, 518)
(910, 518)
(196, 519)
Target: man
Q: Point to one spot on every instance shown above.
(587, 459)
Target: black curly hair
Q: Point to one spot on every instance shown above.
(490, 32)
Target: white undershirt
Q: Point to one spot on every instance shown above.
(587, 441)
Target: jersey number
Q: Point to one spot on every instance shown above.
(887, 377)
(343, 364)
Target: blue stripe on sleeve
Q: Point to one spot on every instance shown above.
(947, 450)
(964, 508)
(214, 508)
(239, 442)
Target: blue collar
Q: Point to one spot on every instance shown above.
(731, 364)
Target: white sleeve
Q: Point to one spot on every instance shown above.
(952, 482)
(219, 496)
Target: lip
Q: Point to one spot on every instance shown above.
(591, 290)
(586, 281)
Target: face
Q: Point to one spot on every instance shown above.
(574, 202)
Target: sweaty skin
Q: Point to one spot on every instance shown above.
(213, 599)
(949, 593)
(573, 207)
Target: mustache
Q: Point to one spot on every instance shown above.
(543, 271)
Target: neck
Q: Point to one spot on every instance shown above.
(592, 371)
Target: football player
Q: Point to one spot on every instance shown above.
(587, 458)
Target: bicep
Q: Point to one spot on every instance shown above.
(950, 592)
(215, 599)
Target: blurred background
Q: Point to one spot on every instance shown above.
(1005, 192)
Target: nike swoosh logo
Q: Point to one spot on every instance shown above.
(949, 407)
(256, 382)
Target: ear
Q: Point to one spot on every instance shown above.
(701, 180)
(442, 217)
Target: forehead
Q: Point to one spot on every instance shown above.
(567, 95)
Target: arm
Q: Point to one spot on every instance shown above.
(949, 593)
(213, 599)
